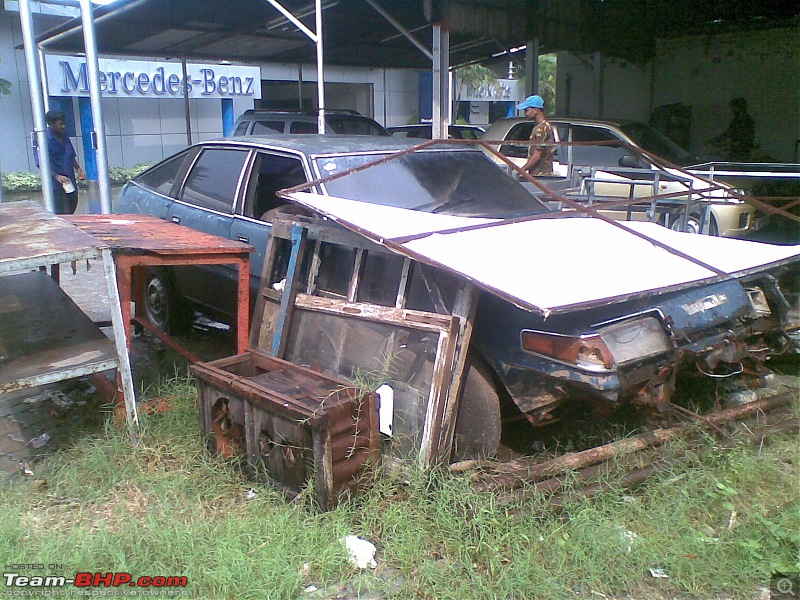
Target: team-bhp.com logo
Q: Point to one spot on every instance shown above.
(94, 580)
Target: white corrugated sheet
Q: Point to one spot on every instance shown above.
(552, 264)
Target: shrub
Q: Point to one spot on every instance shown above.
(23, 181)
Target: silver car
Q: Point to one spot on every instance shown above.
(597, 146)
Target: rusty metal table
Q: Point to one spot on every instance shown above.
(44, 336)
(140, 241)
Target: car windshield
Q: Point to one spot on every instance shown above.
(654, 141)
(459, 183)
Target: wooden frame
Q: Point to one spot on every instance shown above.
(453, 329)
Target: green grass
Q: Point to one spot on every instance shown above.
(166, 507)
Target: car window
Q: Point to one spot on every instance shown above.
(303, 127)
(348, 126)
(271, 172)
(241, 129)
(260, 127)
(161, 177)
(459, 183)
(522, 132)
(606, 155)
(214, 178)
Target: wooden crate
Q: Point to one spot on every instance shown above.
(290, 422)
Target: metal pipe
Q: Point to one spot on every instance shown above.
(320, 70)
(37, 103)
(441, 95)
(397, 25)
(297, 22)
(99, 137)
(186, 106)
(43, 70)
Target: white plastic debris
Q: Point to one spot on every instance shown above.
(250, 494)
(658, 573)
(362, 552)
(628, 537)
(386, 412)
(310, 589)
(279, 286)
(40, 441)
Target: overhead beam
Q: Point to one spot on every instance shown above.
(397, 25)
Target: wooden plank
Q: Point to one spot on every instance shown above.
(464, 308)
(299, 236)
(372, 312)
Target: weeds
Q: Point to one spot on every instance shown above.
(166, 507)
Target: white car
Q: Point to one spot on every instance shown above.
(607, 169)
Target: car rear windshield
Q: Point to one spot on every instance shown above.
(653, 141)
(463, 184)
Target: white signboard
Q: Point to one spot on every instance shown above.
(68, 76)
(504, 90)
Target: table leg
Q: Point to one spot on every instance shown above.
(243, 308)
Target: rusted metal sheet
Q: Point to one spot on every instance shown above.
(139, 234)
(44, 336)
(291, 423)
(31, 237)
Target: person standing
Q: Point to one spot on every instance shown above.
(737, 141)
(63, 164)
(540, 152)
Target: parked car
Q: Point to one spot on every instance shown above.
(608, 349)
(610, 169)
(269, 122)
(424, 131)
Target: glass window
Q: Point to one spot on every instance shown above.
(303, 127)
(214, 178)
(272, 172)
(161, 177)
(336, 269)
(606, 155)
(380, 279)
(462, 183)
(352, 126)
(242, 128)
(268, 127)
(522, 132)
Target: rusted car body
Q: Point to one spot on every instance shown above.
(622, 329)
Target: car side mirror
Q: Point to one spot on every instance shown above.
(630, 161)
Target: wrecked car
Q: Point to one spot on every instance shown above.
(569, 308)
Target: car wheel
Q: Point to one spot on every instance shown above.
(693, 225)
(163, 305)
(477, 431)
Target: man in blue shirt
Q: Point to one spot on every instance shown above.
(63, 164)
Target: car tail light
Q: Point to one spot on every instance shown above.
(588, 352)
(758, 300)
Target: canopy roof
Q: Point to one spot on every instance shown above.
(356, 34)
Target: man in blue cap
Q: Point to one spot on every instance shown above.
(540, 152)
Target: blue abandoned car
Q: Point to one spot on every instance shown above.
(619, 337)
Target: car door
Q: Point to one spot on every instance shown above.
(518, 154)
(205, 202)
(599, 147)
(266, 173)
(153, 192)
